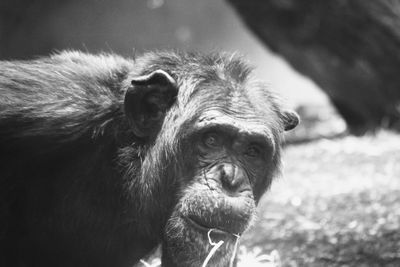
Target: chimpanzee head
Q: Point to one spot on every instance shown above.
(211, 138)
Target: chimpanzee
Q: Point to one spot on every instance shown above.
(103, 158)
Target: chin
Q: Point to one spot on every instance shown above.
(187, 244)
(189, 230)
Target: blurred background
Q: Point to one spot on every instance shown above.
(32, 28)
(336, 62)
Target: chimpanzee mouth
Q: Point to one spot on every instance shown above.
(193, 222)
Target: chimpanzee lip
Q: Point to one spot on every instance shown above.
(204, 228)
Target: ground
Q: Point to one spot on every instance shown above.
(337, 204)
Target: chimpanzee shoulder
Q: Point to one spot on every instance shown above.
(60, 97)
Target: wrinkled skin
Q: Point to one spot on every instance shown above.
(103, 158)
(235, 154)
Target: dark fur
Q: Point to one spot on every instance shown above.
(78, 188)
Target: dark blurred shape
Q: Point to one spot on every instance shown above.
(351, 49)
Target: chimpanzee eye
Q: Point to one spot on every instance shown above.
(212, 140)
(253, 151)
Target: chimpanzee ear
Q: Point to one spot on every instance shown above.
(290, 119)
(147, 101)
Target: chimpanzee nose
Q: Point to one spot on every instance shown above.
(233, 178)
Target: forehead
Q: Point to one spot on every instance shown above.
(240, 126)
(240, 105)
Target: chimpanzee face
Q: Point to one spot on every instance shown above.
(233, 155)
(221, 138)
(228, 172)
